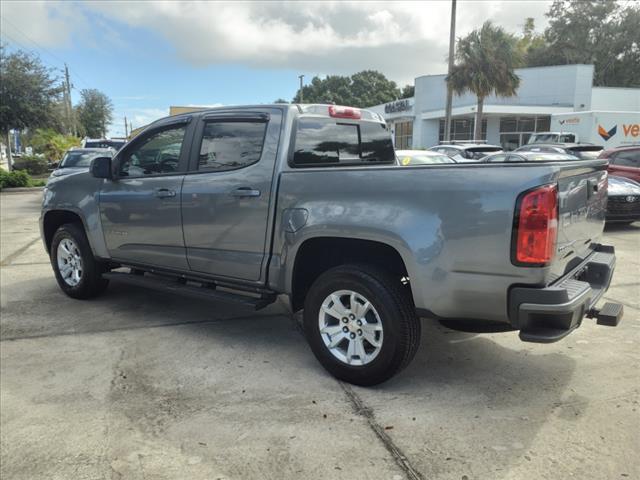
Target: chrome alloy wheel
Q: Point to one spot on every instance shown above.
(69, 262)
(350, 327)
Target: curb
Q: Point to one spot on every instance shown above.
(21, 189)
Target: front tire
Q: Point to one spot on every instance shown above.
(77, 272)
(361, 324)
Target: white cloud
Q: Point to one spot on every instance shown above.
(401, 39)
(38, 23)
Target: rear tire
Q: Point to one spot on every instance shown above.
(77, 272)
(361, 324)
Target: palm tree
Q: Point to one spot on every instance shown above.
(486, 59)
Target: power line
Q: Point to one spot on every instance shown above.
(24, 47)
(43, 49)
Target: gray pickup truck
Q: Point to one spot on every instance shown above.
(244, 204)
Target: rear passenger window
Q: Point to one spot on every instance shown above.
(326, 142)
(231, 145)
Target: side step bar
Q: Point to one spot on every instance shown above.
(175, 285)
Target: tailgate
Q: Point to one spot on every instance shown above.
(582, 204)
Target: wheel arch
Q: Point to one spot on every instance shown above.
(318, 254)
(54, 219)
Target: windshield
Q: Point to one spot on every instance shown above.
(585, 154)
(424, 159)
(544, 138)
(548, 157)
(480, 152)
(79, 159)
(115, 144)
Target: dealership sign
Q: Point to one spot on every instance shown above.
(570, 121)
(629, 130)
(398, 106)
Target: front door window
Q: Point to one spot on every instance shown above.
(157, 154)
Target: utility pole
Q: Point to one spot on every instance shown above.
(452, 45)
(67, 94)
(126, 134)
(301, 77)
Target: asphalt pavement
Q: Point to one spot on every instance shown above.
(141, 385)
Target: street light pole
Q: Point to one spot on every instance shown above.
(301, 77)
(452, 44)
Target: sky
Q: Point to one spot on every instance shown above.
(148, 55)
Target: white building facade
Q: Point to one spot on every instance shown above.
(418, 122)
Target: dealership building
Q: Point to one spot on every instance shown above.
(418, 122)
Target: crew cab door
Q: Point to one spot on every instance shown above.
(226, 195)
(140, 207)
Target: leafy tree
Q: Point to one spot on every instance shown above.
(28, 92)
(531, 44)
(281, 100)
(94, 113)
(52, 144)
(362, 89)
(486, 59)
(599, 32)
(408, 91)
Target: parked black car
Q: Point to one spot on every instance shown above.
(623, 204)
(583, 151)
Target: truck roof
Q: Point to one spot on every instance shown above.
(319, 109)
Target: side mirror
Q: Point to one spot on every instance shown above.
(101, 167)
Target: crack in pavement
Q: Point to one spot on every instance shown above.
(361, 409)
(9, 258)
(138, 327)
(26, 264)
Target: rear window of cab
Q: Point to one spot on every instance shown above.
(324, 142)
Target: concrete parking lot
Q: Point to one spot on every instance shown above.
(136, 384)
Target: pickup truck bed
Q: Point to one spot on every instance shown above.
(308, 201)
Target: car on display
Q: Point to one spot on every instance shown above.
(623, 205)
(115, 143)
(553, 138)
(421, 157)
(79, 160)
(583, 151)
(308, 202)
(466, 152)
(510, 157)
(624, 161)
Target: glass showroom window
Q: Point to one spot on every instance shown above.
(515, 131)
(403, 135)
(462, 129)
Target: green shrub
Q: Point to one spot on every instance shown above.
(33, 165)
(17, 178)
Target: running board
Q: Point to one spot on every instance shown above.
(175, 285)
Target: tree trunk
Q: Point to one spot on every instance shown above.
(477, 128)
(9, 158)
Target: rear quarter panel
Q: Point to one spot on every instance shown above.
(451, 225)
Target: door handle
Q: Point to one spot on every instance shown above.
(245, 192)
(165, 193)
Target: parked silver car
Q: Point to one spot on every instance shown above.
(466, 152)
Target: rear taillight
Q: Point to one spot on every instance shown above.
(536, 227)
(338, 111)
